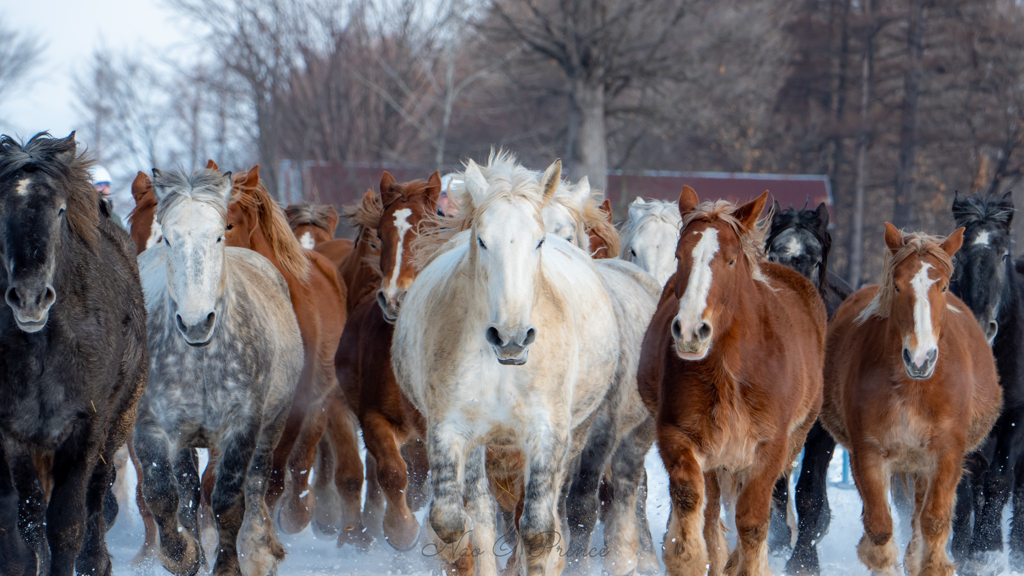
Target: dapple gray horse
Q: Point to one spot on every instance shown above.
(225, 357)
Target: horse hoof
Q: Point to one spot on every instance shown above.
(294, 514)
(181, 559)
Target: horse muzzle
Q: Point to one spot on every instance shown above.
(31, 305)
(692, 344)
(922, 370)
(197, 334)
(512, 347)
(390, 304)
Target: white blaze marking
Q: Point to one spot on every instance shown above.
(154, 234)
(695, 299)
(307, 241)
(982, 238)
(402, 223)
(794, 247)
(923, 314)
(22, 188)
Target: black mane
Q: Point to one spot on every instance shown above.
(978, 209)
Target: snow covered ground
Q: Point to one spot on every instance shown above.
(313, 556)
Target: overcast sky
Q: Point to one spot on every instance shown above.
(72, 30)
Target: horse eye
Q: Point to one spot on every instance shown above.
(1006, 256)
(632, 253)
(541, 243)
(481, 243)
(944, 289)
(219, 238)
(731, 262)
(62, 210)
(896, 288)
(166, 241)
(231, 227)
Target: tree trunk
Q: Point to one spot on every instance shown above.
(267, 144)
(589, 145)
(905, 212)
(867, 70)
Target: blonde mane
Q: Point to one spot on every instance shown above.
(751, 240)
(913, 244)
(274, 225)
(506, 179)
(366, 214)
(591, 217)
(652, 210)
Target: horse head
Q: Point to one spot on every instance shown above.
(718, 253)
(983, 271)
(405, 208)
(650, 235)
(46, 200)
(915, 279)
(142, 224)
(192, 212)
(312, 224)
(506, 238)
(800, 239)
(600, 244)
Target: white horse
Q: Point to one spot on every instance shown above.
(507, 343)
(650, 235)
(225, 355)
(623, 426)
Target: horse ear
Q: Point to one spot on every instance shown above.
(893, 238)
(386, 182)
(606, 207)
(687, 200)
(332, 220)
(211, 165)
(580, 193)
(476, 183)
(549, 182)
(823, 215)
(251, 180)
(140, 186)
(751, 211)
(368, 198)
(68, 154)
(954, 241)
(776, 210)
(635, 212)
(434, 190)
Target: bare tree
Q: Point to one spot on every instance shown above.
(603, 48)
(19, 54)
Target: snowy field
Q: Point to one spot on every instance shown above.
(310, 555)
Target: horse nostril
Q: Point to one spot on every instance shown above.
(493, 337)
(210, 319)
(907, 358)
(48, 297)
(704, 331)
(382, 300)
(181, 325)
(993, 329)
(12, 298)
(531, 335)
(677, 329)
(932, 354)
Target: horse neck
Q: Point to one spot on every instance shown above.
(355, 273)
(1007, 343)
(261, 245)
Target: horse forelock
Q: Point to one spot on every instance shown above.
(366, 214)
(914, 244)
(203, 186)
(46, 155)
(808, 220)
(751, 239)
(652, 211)
(305, 213)
(275, 228)
(977, 209)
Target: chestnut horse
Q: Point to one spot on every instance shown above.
(911, 386)
(255, 221)
(314, 225)
(142, 224)
(604, 239)
(393, 430)
(731, 370)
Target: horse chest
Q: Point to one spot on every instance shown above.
(733, 442)
(907, 440)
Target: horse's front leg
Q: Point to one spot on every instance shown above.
(295, 508)
(812, 501)
(449, 524)
(877, 548)
(66, 512)
(16, 559)
(482, 509)
(260, 549)
(31, 511)
(540, 528)
(236, 450)
(583, 501)
(937, 513)
(684, 550)
(753, 509)
(622, 531)
(998, 483)
(1017, 523)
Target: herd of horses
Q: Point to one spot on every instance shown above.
(508, 364)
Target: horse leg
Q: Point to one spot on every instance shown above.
(295, 507)
(648, 559)
(1017, 522)
(31, 508)
(915, 549)
(186, 468)
(685, 550)
(779, 534)
(539, 527)
(207, 525)
(260, 549)
(583, 502)
(148, 549)
(16, 558)
(621, 531)
(236, 452)
(66, 513)
(965, 497)
(400, 526)
(94, 558)
(714, 534)
(177, 549)
(348, 472)
(373, 513)
(812, 501)
(937, 513)
(414, 452)
(997, 485)
(753, 509)
(447, 519)
(481, 507)
(877, 548)
(327, 510)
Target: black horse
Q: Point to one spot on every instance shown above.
(986, 279)
(72, 359)
(800, 239)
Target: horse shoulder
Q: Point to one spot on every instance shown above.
(651, 370)
(326, 283)
(793, 292)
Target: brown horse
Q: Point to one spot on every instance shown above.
(911, 386)
(256, 222)
(731, 371)
(393, 430)
(361, 279)
(314, 225)
(142, 224)
(604, 239)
